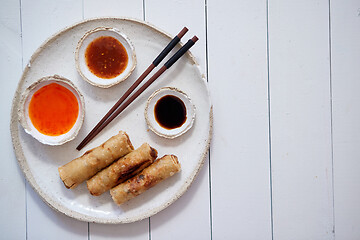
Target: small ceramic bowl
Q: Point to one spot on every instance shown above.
(84, 70)
(152, 119)
(26, 122)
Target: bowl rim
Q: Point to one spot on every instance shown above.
(128, 42)
(191, 105)
(22, 110)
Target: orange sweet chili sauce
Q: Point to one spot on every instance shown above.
(53, 110)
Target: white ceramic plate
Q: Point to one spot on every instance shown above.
(40, 162)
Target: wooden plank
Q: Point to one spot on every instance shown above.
(113, 8)
(191, 213)
(300, 120)
(131, 9)
(240, 163)
(12, 202)
(183, 13)
(345, 61)
(40, 20)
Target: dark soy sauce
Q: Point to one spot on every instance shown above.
(170, 112)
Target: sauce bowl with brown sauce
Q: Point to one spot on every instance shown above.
(169, 112)
(105, 57)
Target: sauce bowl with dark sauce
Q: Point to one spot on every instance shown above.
(169, 112)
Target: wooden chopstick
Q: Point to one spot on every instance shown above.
(115, 111)
(156, 62)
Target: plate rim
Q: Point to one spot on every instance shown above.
(18, 150)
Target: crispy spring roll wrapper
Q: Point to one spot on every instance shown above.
(86, 166)
(121, 170)
(161, 169)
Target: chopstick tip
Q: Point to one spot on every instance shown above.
(182, 32)
(194, 38)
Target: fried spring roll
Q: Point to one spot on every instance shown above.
(161, 169)
(121, 170)
(86, 166)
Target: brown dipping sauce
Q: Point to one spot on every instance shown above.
(106, 57)
(170, 112)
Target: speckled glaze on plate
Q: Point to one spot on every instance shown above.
(40, 162)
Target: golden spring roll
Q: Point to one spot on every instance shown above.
(161, 169)
(86, 166)
(121, 170)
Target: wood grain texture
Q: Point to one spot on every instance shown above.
(13, 201)
(175, 220)
(300, 113)
(313, 117)
(40, 20)
(345, 62)
(240, 163)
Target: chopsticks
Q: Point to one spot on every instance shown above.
(116, 110)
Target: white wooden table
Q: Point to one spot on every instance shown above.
(284, 161)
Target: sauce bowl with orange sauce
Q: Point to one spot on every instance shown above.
(105, 57)
(52, 110)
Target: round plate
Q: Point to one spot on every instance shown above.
(40, 162)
